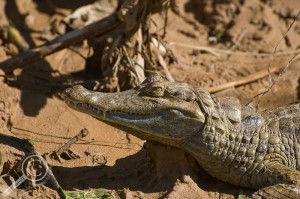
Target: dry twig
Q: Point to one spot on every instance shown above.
(251, 78)
(56, 155)
(216, 52)
(83, 133)
(271, 82)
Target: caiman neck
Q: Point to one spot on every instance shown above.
(222, 125)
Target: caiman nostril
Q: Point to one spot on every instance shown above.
(66, 93)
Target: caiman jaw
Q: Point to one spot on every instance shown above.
(98, 104)
(99, 112)
(163, 116)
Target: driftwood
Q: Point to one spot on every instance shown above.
(60, 43)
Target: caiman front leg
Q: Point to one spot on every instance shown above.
(284, 182)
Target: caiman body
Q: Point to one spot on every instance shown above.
(235, 145)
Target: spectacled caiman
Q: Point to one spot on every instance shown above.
(258, 150)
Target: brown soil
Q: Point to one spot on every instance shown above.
(32, 108)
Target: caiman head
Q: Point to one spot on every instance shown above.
(156, 110)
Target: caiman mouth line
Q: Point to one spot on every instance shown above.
(88, 107)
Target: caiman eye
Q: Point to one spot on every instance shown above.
(155, 89)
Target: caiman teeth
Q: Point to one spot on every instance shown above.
(70, 103)
(88, 107)
(104, 112)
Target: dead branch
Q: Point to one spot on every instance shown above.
(251, 78)
(60, 43)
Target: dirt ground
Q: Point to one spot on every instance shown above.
(31, 107)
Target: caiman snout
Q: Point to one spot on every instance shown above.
(76, 93)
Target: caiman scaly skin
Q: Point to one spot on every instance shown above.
(238, 146)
